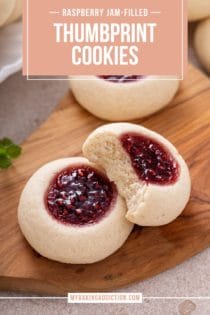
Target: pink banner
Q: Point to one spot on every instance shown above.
(93, 37)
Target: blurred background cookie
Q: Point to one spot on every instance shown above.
(202, 43)
(6, 9)
(198, 9)
(16, 13)
(122, 98)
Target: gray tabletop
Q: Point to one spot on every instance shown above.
(24, 106)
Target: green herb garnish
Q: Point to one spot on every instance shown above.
(8, 151)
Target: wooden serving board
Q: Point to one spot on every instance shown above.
(148, 251)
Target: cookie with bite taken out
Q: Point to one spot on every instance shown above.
(147, 169)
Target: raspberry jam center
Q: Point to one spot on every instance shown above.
(121, 78)
(80, 195)
(151, 160)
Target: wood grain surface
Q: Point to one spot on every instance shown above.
(148, 251)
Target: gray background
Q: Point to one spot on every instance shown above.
(24, 105)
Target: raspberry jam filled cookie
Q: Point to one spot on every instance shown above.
(147, 169)
(71, 212)
(118, 98)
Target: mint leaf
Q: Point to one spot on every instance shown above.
(13, 151)
(2, 150)
(5, 161)
(5, 142)
(8, 151)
